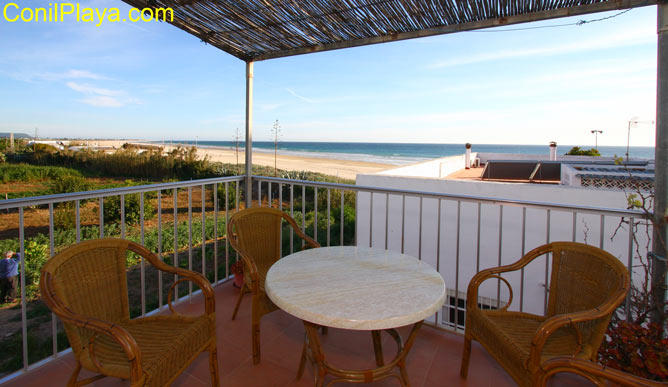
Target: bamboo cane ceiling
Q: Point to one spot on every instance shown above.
(255, 30)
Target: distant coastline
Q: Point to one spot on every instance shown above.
(397, 153)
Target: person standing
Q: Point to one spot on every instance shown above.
(9, 275)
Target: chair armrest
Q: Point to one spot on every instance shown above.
(592, 371)
(197, 278)
(116, 332)
(481, 276)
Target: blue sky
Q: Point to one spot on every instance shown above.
(154, 81)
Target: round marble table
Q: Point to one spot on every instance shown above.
(356, 288)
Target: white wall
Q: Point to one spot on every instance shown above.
(433, 168)
(498, 245)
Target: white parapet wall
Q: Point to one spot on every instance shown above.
(472, 236)
(437, 168)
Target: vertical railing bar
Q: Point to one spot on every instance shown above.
(524, 230)
(236, 199)
(574, 226)
(142, 265)
(203, 193)
(101, 217)
(123, 216)
(227, 241)
(403, 221)
(438, 250)
(24, 317)
(498, 282)
(190, 239)
(602, 236)
(329, 196)
(159, 193)
(370, 219)
(259, 193)
(280, 207)
(215, 233)
(77, 219)
(236, 195)
(52, 250)
(420, 232)
(477, 250)
(459, 223)
(342, 217)
(387, 220)
(303, 212)
(176, 241)
(547, 260)
(315, 213)
(524, 237)
(292, 215)
(630, 268)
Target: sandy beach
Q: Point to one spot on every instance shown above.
(346, 169)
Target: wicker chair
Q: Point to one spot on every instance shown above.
(586, 286)
(594, 372)
(86, 286)
(255, 233)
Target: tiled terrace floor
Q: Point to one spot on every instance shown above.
(433, 361)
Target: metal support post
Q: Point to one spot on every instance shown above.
(249, 133)
(661, 168)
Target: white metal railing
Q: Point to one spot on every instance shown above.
(227, 184)
(384, 218)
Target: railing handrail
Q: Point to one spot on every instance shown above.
(465, 198)
(65, 197)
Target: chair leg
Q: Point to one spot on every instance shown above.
(466, 356)
(75, 375)
(239, 297)
(213, 365)
(255, 329)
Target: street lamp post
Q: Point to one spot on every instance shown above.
(596, 132)
(633, 123)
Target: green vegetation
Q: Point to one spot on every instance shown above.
(10, 173)
(576, 151)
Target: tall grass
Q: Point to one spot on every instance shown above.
(10, 173)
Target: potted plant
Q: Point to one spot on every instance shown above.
(237, 269)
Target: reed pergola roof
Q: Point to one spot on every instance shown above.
(254, 30)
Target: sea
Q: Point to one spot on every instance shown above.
(401, 153)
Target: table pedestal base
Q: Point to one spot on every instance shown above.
(313, 351)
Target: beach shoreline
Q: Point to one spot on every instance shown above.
(346, 169)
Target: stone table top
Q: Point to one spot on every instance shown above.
(355, 288)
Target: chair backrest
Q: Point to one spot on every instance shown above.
(88, 279)
(585, 278)
(257, 233)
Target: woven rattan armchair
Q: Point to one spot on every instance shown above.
(586, 286)
(594, 372)
(255, 233)
(86, 286)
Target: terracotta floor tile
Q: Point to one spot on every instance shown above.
(433, 361)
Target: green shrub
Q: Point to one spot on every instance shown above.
(576, 151)
(112, 209)
(10, 172)
(69, 184)
(2, 158)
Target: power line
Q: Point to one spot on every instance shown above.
(577, 23)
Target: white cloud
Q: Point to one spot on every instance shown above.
(48, 76)
(624, 39)
(101, 97)
(305, 99)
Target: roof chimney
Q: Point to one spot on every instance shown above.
(553, 151)
(467, 158)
